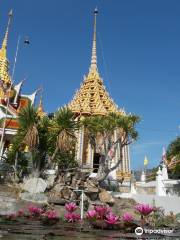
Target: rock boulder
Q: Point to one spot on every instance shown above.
(105, 197)
(34, 185)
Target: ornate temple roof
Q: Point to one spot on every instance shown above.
(92, 97)
(11, 99)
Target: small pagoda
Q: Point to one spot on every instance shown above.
(93, 99)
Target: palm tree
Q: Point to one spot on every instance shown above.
(28, 130)
(101, 130)
(62, 132)
(32, 133)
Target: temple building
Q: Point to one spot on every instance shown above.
(93, 99)
(11, 99)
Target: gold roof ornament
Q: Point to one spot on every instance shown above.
(26, 149)
(4, 64)
(40, 110)
(10, 147)
(92, 97)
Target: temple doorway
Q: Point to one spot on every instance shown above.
(96, 162)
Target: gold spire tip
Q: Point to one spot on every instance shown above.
(4, 44)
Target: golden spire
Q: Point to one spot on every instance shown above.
(40, 110)
(4, 44)
(92, 97)
(93, 66)
(4, 64)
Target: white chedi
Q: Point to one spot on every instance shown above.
(164, 172)
(143, 177)
(160, 188)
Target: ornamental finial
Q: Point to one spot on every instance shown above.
(40, 110)
(4, 64)
(93, 66)
(4, 44)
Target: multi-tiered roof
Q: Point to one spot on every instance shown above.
(11, 99)
(92, 98)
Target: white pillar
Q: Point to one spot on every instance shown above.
(126, 157)
(82, 203)
(89, 162)
(123, 163)
(78, 135)
(125, 167)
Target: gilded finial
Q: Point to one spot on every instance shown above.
(40, 110)
(4, 64)
(4, 44)
(93, 66)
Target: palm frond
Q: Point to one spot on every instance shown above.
(63, 127)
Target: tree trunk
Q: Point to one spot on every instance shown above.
(102, 166)
(15, 168)
(35, 164)
(54, 154)
(104, 169)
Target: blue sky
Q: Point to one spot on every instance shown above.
(138, 51)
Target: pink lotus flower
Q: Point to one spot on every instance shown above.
(70, 207)
(144, 209)
(102, 211)
(51, 214)
(91, 214)
(72, 217)
(111, 218)
(127, 217)
(35, 211)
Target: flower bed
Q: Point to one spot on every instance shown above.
(99, 217)
(102, 217)
(33, 212)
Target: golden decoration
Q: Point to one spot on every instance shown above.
(4, 64)
(92, 97)
(40, 110)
